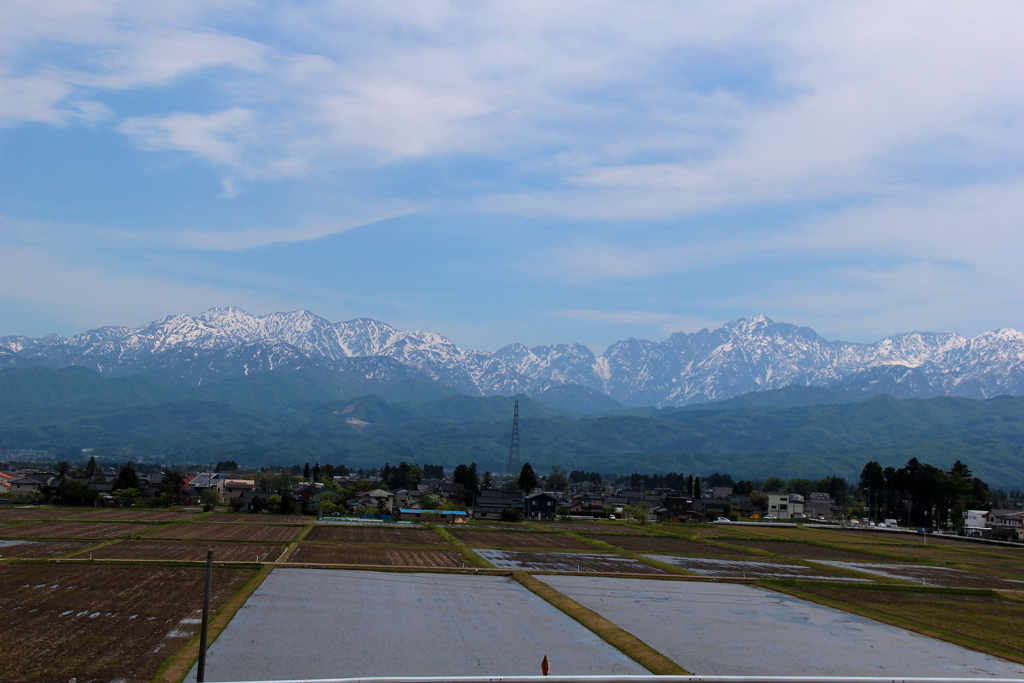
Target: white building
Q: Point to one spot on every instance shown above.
(975, 523)
(785, 505)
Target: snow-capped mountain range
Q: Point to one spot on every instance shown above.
(746, 355)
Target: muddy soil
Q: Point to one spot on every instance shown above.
(355, 534)
(519, 539)
(97, 530)
(144, 549)
(100, 623)
(227, 532)
(375, 555)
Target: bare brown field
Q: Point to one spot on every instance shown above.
(144, 549)
(657, 544)
(326, 553)
(136, 515)
(255, 518)
(355, 534)
(806, 551)
(566, 562)
(227, 532)
(519, 539)
(39, 548)
(100, 622)
(23, 515)
(97, 530)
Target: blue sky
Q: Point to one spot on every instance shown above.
(539, 172)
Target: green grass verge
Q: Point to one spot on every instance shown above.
(623, 641)
(462, 549)
(176, 667)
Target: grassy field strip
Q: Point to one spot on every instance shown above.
(622, 552)
(170, 524)
(467, 554)
(905, 621)
(403, 569)
(623, 641)
(83, 551)
(177, 666)
(291, 547)
(987, 569)
(828, 569)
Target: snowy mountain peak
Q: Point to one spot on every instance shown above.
(744, 355)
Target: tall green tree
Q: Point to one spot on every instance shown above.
(557, 481)
(127, 478)
(90, 467)
(209, 498)
(527, 478)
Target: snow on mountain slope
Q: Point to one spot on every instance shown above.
(745, 355)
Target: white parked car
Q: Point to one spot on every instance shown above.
(723, 519)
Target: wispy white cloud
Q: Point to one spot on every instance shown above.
(84, 292)
(906, 115)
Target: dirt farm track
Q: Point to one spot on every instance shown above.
(99, 623)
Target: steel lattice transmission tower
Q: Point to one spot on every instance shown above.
(512, 468)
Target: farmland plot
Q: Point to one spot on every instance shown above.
(227, 532)
(658, 544)
(449, 626)
(933, 576)
(328, 553)
(806, 551)
(991, 623)
(728, 629)
(519, 539)
(942, 553)
(565, 562)
(735, 569)
(369, 534)
(146, 549)
(14, 548)
(96, 530)
(135, 515)
(100, 622)
(31, 515)
(255, 518)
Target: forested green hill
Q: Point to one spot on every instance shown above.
(286, 419)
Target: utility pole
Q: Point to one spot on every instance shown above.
(201, 668)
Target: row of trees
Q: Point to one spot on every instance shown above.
(923, 494)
